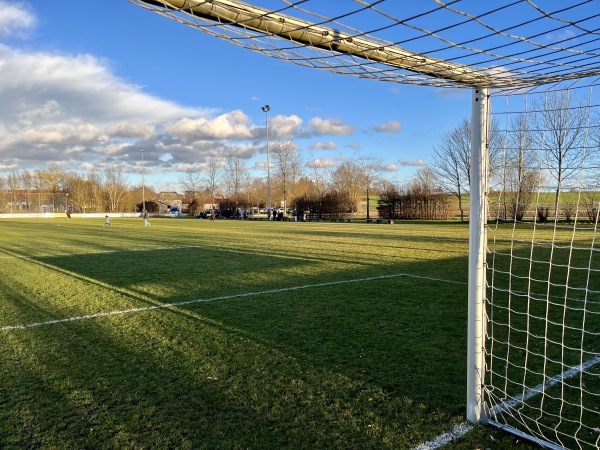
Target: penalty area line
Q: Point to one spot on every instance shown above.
(214, 299)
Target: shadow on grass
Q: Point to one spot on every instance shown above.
(177, 379)
(367, 364)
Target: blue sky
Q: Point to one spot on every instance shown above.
(87, 84)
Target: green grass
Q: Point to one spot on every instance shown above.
(291, 337)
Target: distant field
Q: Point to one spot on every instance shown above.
(233, 334)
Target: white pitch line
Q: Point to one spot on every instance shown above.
(542, 387)
(458, 431)
(463, 428)
(214, 299)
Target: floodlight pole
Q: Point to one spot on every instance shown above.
(368, 206)
(266, 110)
(143, 193)
(477, 246)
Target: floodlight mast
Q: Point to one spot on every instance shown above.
(266, 110)
(143, 194)
(239, 14)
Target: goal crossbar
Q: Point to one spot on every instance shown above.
(261, 20)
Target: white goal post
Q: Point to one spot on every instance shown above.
(477, 253)
(534, 260)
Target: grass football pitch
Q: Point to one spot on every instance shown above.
(233, 335)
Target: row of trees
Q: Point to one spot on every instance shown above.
(107, 190)
(291, 179)
(224, 181)
(421, 199)
(554, 146)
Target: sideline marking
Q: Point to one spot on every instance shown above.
(463, 428)
(458, 431)
(214, 299)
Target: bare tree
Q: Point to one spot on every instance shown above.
(95, 192)
(287, 166)
(560, 122)
(212, 173)
(451, 160)
(320, 173)
(521, 174)
(86, 193)
(236, 173)
(191, 181)
(78, 194)
(3, 191)
(28, 184)
(257, 191)
(53, 179)
(592, 180)
(425, 182)
(13, 183)
(115, 187)
(348, 179)
(371, 167)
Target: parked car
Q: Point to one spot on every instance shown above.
(175, 211)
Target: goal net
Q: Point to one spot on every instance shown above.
(534, 169)
(542, 351)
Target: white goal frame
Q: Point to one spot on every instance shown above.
(477, 253)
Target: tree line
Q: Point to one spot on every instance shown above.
(551, 147)
(293, 182)
(225, 182)
(106, 190)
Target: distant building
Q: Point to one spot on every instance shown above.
(166, 199)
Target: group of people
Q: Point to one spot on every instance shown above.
(276, 216)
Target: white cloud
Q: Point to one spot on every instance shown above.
(70, 133)
(284, 126)
(131, 130)
(328, 145)
(318, 126)
(321, 163)
(393, 126)
(233, 125)
(71, 110)
(15, 18)
(413, 163)
(560, 36)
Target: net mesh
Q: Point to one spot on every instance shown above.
(543, 301)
